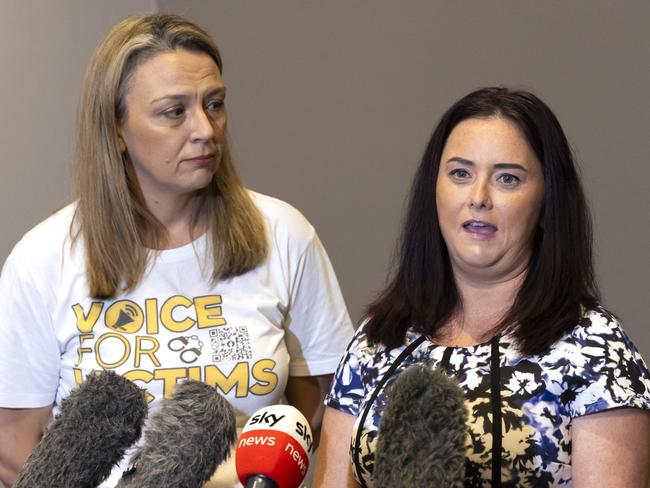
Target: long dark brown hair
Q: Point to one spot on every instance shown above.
(422, 293)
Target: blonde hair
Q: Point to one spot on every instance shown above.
(111, 217)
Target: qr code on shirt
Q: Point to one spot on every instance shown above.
(230, 344)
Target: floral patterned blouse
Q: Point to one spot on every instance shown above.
(594, 367)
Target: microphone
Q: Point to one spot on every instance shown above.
(274, 448)
(421, 437)
(184, 441)
(96, 424)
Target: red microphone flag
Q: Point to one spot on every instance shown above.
(276, 442)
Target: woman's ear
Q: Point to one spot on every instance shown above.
(120, 141)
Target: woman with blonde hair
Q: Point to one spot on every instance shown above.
(165, 267)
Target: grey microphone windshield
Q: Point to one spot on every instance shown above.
(184, 441)
(421, 438)
(96, 424)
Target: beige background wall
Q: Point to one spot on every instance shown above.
(331, 104)
(44, 48)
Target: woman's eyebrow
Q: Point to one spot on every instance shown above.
(458, 159)
(184, 96)
(510, 166)
(217, 91)
(469, 162)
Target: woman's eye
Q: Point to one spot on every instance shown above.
(459, 173)
(508, 179)
(214, 105)
(174, 113)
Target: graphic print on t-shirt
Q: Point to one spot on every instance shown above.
(191, 334)
(124, 316)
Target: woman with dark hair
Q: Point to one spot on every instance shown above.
(495, 286)
(165, 267)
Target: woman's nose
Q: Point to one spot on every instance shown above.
(203, 126)
(479, 195)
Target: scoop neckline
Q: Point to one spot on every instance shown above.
(187, 251)
(488, 342)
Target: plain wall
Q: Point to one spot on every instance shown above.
(44, 48)
(331, 104)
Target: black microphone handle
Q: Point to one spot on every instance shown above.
(260, 481)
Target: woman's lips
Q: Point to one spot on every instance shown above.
(203, 160)
(479, 228)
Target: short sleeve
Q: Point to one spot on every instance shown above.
(29, 352)
(607, 369)
(347, 391)
(318, 326)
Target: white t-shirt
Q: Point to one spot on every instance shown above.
(244, 336)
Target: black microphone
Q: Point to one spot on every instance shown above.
(97, 423)
(184, 441)
(421, 437)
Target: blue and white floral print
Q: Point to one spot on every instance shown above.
(594, 367)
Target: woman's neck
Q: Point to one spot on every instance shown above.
(483, 305)
(176, 215)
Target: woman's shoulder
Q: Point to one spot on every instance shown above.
(598, 326)
(284, 220)
(599, 365)
(595, 328)
(278, 211)
(598, 343)
(45, 243)
(377, 353)
(364, 364)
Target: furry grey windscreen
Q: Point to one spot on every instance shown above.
(421, 438)
(184, 441)
(97, 422)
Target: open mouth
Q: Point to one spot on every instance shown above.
(479, 227)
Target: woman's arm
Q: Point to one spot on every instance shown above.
(611, 448)
(307, 393)
(333, 466)
(20, 431)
